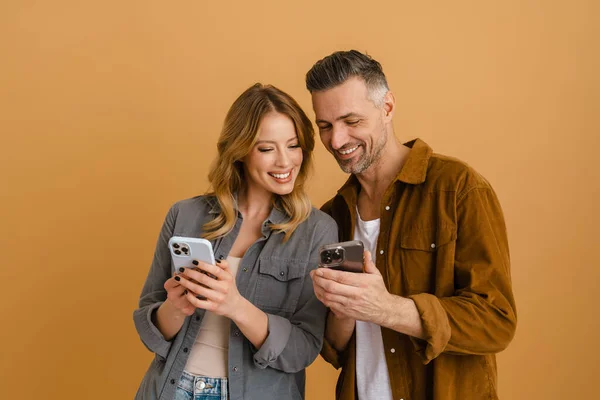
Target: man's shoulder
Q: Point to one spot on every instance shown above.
(328, 206)
(446, 173)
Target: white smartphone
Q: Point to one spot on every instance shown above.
(184, 250)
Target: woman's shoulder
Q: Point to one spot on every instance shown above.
(202, 204)
(319, 219)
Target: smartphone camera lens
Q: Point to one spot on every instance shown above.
(326, 257)
(178, 252)
(175, 246)
(184, 249)
(337, 254)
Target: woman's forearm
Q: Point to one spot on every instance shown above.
(168, 319)
(253, 323)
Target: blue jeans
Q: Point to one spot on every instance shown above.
(194, 387)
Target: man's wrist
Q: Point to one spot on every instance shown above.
(340, 319)
(340, 324)
(390, 310)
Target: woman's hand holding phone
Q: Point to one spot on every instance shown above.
(186, 253)
(176, 297)
(169, 317)
(219, 294)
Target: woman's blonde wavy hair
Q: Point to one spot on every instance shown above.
(239, 134)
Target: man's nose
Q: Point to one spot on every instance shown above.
(339, 137)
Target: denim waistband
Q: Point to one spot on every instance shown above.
(202, 384)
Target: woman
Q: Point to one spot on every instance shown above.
(252, 330)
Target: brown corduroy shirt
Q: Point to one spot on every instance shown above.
(444, 246)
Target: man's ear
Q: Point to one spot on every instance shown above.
(389, 106)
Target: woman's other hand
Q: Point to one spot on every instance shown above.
(176, 296)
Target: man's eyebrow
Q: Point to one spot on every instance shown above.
(350, 114)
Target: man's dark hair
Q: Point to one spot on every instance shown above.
(340, 66)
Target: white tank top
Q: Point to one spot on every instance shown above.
(372, 376)
(209, 355)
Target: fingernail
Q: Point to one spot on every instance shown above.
(218, 261)
(177, 278)
(201, 297)
(319, 272)
(195, 262)
(185, 292)
(181, 269)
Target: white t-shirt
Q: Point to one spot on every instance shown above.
(372, 376)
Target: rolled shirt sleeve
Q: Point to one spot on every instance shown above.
(153, 292)
(481, 317)
(280, 330)
(149, 333)
(331, 355)
(293, 344)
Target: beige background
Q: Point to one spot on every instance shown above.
(109, 113)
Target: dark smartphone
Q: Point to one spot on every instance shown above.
(344, 256)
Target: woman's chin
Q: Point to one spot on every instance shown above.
(283, 190)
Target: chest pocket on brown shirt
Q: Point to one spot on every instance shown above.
(426, 253)
(279, 284)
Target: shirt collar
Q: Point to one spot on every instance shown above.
(414, 170)
(277, 215)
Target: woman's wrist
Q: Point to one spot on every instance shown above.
(240, 309)
(170, 310)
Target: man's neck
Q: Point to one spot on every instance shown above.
(375, 180)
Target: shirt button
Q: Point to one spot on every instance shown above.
(235, 369)
(185, 350)
(200, 385)
(387, 208)
(172, 381)
(281, 273)
(380, 251)
(221, 256)
(392, 350)
(245, 269)
(433, 245)
(236, 333)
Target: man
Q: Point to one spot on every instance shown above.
(435, 302)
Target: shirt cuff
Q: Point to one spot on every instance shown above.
(149, 333)
(331, 355)
(436, 327)
(279, 333)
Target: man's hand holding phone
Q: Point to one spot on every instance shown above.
(350, 295)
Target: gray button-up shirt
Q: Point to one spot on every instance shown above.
(272, 275)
